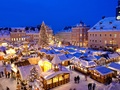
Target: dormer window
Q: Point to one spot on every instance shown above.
(110, 22)
(94, 27)
(114, 27)
(101, 27)
(100, 23)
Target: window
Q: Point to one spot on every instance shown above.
(105, 34)
(110, 42)
(105, 42)
(100, 34)
(92, 40)
(95, 34)
(100, 40)
(115, 35)
(95, 40)
(110, 35)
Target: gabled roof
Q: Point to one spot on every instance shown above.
(115, 66)
(103, 70)
(63, 57)
(78, 55)
(107, 24)
(56, 59)
(69, 56)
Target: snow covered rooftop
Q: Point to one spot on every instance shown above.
(63, 57)
(25, 71)
(56, 60)
(114, 66)
(103, 70)
(106, 24)
(51, 73)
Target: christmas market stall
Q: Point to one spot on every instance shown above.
(100, 60)
(65, 61)
(54, 74)
(115, 67)
(114, 57)
(16, 65)
(101, 74)
(53, 78)
(84, 64)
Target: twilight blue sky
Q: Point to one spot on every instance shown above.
(55, 13)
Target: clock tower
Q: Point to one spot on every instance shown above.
(118, 11)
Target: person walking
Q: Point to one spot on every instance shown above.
(75, 79)
(88, 86)
(94, 85)
(2, 73)
(78, 79)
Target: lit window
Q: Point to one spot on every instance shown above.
(115, 35)
(14, 39)
(105, 41)
(110, 42)
(81, 35)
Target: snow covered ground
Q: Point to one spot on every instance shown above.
(83, 85)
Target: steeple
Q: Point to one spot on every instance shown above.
(118, 11)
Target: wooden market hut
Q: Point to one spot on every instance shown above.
(100, 60)
(114, 57)
(84, 65)
(65, 61)
(56, 76)
(15, 65)
(101, 74)
(115, 67)
(53, 78)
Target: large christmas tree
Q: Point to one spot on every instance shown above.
(43, 37)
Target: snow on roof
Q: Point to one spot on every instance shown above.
(114, 66)
(51, 73)
(69, 56)
(97, 57)
(63, 57)
(87, 63)
(43, 50)
(25, 71)
(89, 58)
(56, 59)
(114, 55)
(106, 24)
(77, 55)
(103, 70)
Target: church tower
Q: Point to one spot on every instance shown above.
(118, 11)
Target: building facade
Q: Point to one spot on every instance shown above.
(106, 33)
(64, 36)
(17, 35)
(79, 35)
